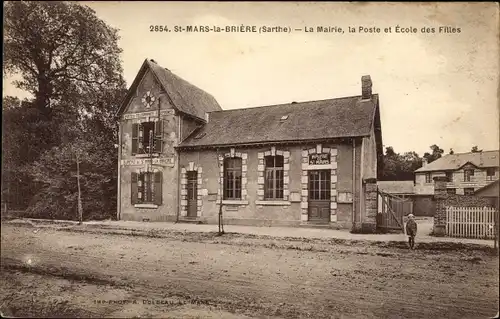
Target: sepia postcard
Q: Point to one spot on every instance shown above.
(250, 159)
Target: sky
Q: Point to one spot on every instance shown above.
(434, 88)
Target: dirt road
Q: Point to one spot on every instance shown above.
(203, 276)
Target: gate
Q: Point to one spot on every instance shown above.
(391, 211)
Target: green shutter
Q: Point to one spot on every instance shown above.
(158, 148)
(158, 189)
(134, 188)
(135, 138)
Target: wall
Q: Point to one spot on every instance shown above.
(136, 112)
(444, 200)
(253, 212)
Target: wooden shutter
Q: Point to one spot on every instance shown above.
(158, 190)
(158, 136)
(135, 138)
(134, 188)
(140, 139)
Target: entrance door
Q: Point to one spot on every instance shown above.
(319, 196)
(192, 194)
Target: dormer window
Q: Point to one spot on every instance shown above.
(468, 173)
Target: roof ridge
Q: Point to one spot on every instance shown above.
(291, 103)
(463, 153)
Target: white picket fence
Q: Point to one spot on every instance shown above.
(470, 222)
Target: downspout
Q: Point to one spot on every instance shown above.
(179, 138)
(119, 188)
(353, 184)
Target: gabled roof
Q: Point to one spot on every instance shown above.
(185, 97)
(396, 187)
(456, 161)
(314, 120)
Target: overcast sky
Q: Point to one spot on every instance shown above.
(434, 88)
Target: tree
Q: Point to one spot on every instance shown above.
(68, 59)
(475, 149)
(56, 46)
(437, 152)
(400, 167)
(451, 151)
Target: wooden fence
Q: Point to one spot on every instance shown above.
(471, 222)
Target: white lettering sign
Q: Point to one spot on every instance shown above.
(168, 161)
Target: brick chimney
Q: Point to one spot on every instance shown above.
(366, 87)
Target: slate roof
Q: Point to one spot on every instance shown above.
(314, 120)
(186, 97)
(456, 161)
(396, 187)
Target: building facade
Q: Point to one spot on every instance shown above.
(182, 157)
(465, 173)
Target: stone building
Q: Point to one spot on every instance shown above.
(181, 156)
(464, 173)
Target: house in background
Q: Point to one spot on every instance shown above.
(465, 172)
(291, 164)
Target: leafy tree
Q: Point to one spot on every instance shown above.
(56, 46)
(437, 152)
(400, 167)
(68, 59)
(451, 151)
(475, 149)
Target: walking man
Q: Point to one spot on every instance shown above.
(411, 230)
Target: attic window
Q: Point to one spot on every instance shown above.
(197, 137)
(284, 117)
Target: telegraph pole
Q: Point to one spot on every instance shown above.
(80, 207)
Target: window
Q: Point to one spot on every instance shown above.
(449, 176)
(467, 174)
(451, 191)
(490, 173)
(319, 185)
(146, 188)
(273, 188)
(428, 178)
(468, 191)
(147, 137)
(232, 178)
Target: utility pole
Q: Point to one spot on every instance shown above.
(80, 207)
(221, 186)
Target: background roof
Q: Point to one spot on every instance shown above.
(455, 161)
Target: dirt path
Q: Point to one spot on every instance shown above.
(253, 276)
